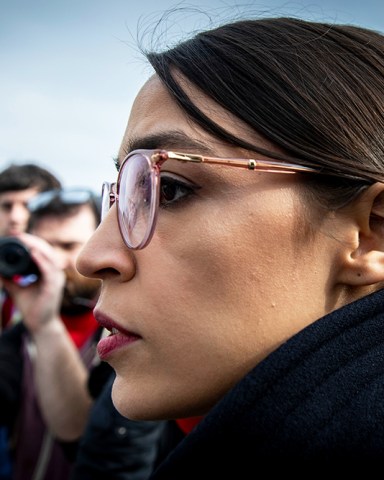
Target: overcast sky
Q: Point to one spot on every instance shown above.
(69, 72)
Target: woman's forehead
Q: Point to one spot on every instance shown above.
(155, 112)
(154, 108)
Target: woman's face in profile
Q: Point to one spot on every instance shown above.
(235, 267)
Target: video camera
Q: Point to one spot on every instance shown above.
(16, 261)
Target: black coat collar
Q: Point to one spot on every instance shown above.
(319, 398)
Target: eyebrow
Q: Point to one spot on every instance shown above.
(167, 140)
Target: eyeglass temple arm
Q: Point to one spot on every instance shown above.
(249, 164)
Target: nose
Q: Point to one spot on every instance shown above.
(63, 258)
(19, 215)
(105, 254)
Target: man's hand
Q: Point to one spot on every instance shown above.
(39, 303)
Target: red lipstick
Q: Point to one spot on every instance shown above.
(119, 337)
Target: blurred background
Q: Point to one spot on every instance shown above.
(71, 69)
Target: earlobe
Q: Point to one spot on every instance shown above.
(367, 269)
(365, 264)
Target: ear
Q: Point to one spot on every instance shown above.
(365, 263)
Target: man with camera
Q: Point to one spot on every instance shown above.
(52, 346)
(18, 184)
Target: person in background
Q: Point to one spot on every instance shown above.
(18, 184)
(45, 358)
(241, 250)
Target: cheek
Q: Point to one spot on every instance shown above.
(210, 294)
(222, 251)
(211, 291)
(225, 266)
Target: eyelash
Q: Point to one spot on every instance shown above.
(182, 191)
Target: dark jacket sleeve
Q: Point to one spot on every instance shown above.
(11, 372)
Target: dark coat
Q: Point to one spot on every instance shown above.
(315, 403)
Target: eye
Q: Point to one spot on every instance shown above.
(6, 206)
(174, 190)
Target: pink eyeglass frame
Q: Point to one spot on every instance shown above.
(158, 157)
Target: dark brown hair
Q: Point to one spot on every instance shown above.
(313, 89)
(17, 177)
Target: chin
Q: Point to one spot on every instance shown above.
(134, 403)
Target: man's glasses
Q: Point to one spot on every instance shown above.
(66, 196)
(136, 192)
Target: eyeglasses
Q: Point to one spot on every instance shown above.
(67, 196)
(137, 189)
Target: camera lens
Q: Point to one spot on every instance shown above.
(15, 259)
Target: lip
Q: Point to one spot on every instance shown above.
(119, 337)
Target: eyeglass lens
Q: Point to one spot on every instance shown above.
(136, 206)
(107, 197)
